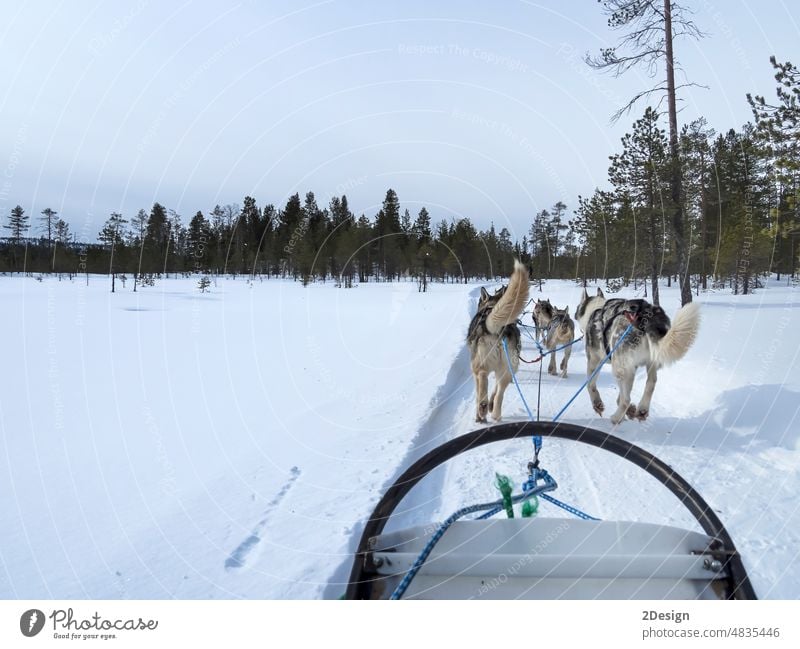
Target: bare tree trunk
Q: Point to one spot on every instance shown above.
(675, 171)
(704, 229)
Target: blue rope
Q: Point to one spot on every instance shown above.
(549, 485)
(542, 351)
(564, 346)
(593, 374)
(516, 383)
(530, 488)
(572, 510)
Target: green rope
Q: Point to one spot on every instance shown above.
(503, 483)
(530, 507)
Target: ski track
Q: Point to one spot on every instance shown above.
(238, 558)
(445, 421)
(450, 416)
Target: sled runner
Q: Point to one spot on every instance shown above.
(547, 558)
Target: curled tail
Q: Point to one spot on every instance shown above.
(510, 306)
(674, 345)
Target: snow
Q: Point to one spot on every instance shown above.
(168, 443)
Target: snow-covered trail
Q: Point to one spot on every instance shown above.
(168, 443)
(714, 417)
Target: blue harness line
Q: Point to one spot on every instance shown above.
(596, 371)
(530, 488)
(493, 507)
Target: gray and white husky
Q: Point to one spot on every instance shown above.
(496, 319)
(653, 343)
(560, 332)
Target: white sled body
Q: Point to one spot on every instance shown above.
(551, 558)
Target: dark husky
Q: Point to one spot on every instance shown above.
(560, 331)
(496, 319)
(653, 343)
(542, 315)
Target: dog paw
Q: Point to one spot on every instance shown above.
(483, 409)
(631, 411)
(563, 375)
(641, 415)
(480, 420)
(617, 419)
(598, 407)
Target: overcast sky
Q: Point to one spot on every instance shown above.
(482, 109)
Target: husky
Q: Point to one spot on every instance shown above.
(496, 319)
(542, 315)
(654, 342)
(560, 331)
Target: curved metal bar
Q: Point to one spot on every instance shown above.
(361, 578)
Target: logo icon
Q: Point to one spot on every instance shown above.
(31, 622)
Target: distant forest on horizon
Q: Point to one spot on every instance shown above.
(740, 198)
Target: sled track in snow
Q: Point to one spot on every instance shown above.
(238, 558)
(445, 421)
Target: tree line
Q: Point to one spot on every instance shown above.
(739, 204)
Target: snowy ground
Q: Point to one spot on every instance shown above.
(166, 443)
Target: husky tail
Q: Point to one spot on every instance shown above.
(674, 345)
(510, 306)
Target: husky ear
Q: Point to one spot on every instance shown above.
(566, 309)
(484, 294)
(600, 292)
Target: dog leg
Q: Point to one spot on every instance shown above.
(625, 382)
(644, 405)
(565, 361)
(497, 406)
(551, 369)
(481, 392)
(591, 388)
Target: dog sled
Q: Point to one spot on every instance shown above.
(546, 558)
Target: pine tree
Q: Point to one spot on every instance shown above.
(778, 134)
(157, 239)
(638, 175)
(696, 140)
(422, 225)
(652, 28)
(112, 235)
(198, 241)
(49, 219)
(17, 223)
